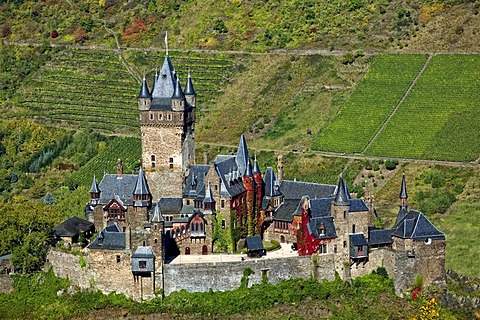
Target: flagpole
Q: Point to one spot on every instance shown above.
(166, 41)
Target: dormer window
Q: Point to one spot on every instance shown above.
(322, 230)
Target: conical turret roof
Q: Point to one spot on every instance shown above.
(141, 186)
(94, 188)
(242, 155)
(341, 197)
(208, 195)
(178, 93)
(157, 215)
(248, 171)
(165, 82)
(256, 168)
(403, 188)
(189, 90)
(144, 92)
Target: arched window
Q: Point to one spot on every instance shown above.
(201, 227)
(183, 230)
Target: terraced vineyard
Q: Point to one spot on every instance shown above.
(83, 88)
(127, 148)
(370, 104)
(440, 118)
(93, 88)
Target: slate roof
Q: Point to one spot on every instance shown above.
(254, 243)
(357, 205)
(123, 187)
(111, 238)
(156, 214)
(242, 155)
(227, 170)
(189, 90)
(417, 227)
(297, 189)
(402, 212)
(144, 92)
(357, 239)
(315, 224)
(403, 188)
(342, 195)
(72, 226)
(143, 252)
(208, 195)
(196, 174)
(380, 236)
(285, 211)
(272, 188)
(178, 92)
(164, 87)
(256, 168)
(94, 188)
(170, 205)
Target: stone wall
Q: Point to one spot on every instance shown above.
(6, 283)
(201, 277)
(377, 257)
(103, 271)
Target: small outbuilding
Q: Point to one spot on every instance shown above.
(255, 247)
(73, 229)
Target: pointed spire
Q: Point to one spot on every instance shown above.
(155, 77)
(141, 186)
(189, 90)
(248, 171)
(256, 168)
(403, 188)
(144, 92)
(242, 155)
(157, 215)
(341, 197)
(165, 81)
(208, 195)
(94, 188)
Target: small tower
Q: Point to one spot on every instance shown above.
(190, 94)
(242, 155)
(142, 199)
(119, 169)
(94, 192)
(259, 192)
(209, 201)
(178, 98)
(403, 211)
(167, 129)
(144, 97)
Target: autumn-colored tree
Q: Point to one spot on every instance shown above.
(135, 31)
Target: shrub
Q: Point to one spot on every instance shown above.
(391, 164)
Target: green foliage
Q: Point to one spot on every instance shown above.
(391, 164)
(434, 201)
(244, 281)
(25, 231)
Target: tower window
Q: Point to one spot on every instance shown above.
(171, 160)
(169, 117)
(118, 259)
(223, 223)
(222, 203)
(344, 214)
(353, 228)
(344, 244)
(151, 116)
(160, 116)
(144, 243)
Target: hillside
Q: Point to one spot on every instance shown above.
(248, 25)
(336, 87)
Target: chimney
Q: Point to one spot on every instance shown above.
(119, 169)
(280, 169)
(205, 157)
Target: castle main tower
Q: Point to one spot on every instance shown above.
(167, 123)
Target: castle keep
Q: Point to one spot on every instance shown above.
(172, 206)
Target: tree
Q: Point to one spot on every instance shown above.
(25, 232)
